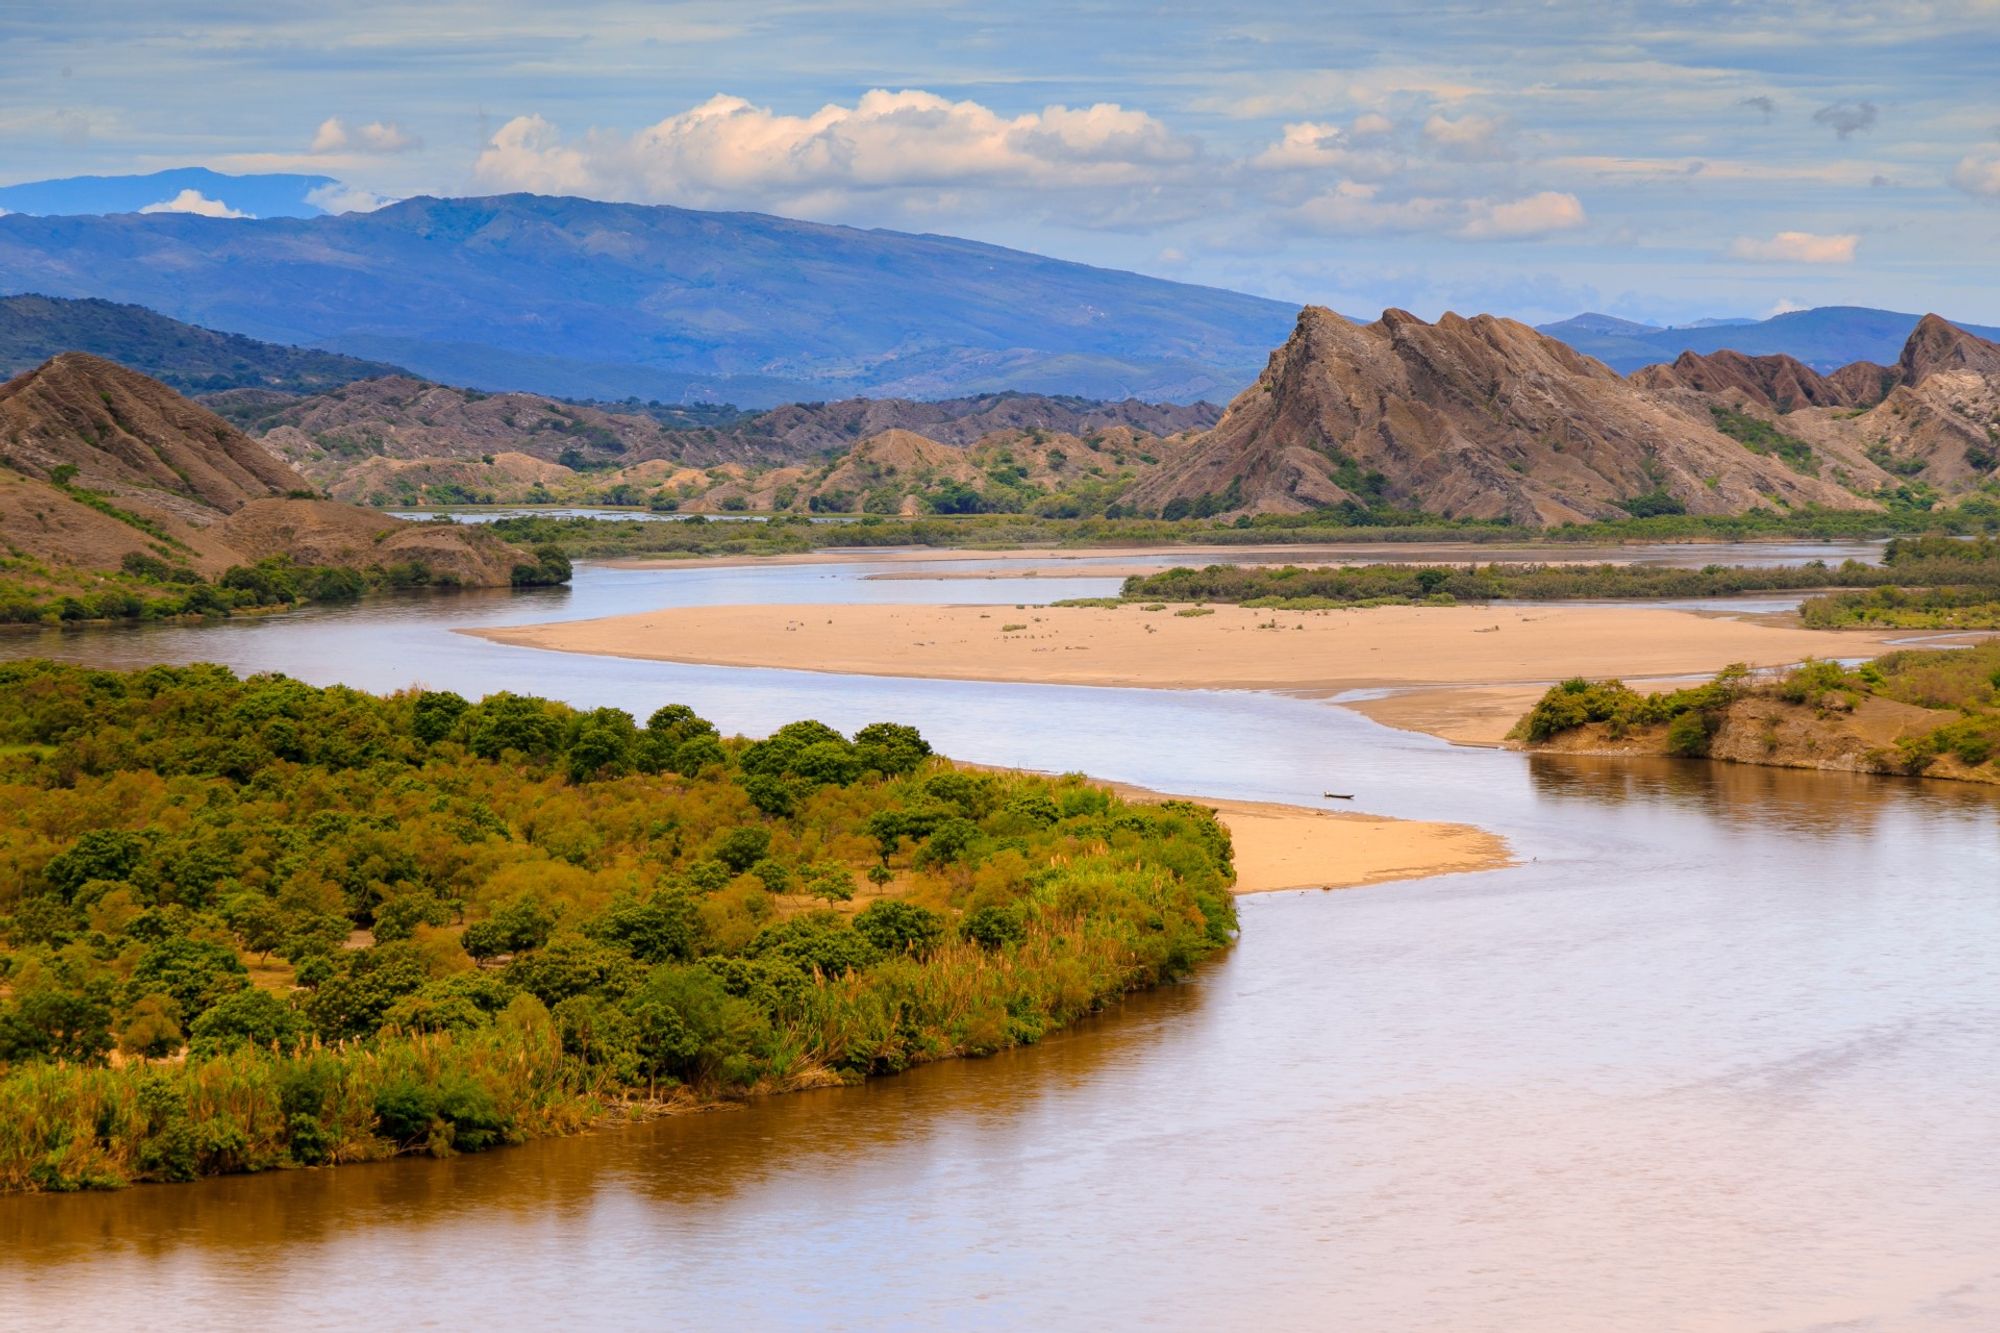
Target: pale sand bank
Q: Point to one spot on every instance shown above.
(1464, 715)
(1288, 847)
(1075, 569)
(1295, 847)
(1230, 648)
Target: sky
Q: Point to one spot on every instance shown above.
(1658, 161)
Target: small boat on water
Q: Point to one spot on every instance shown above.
(1338, 795)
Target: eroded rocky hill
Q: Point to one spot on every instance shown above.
(1474, 418)
(1930, 423)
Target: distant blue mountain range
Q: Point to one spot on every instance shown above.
(598, 300)
(262, 196)
(1825, 339)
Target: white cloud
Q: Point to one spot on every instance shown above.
(729, 151)
(527, 153)
(1261, 96)
(339, 198)
(1516, 219)
(1359, 208)
(1350, 207)
(1311, 146)
(1784, 305)
(1978, 173)
(1470, 138)
(378, 136)
(194, 201)
(1795, 247)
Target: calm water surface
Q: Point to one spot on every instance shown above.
(1723, 1052)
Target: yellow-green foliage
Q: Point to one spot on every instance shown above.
(1967, 680)
(252, 923)
(1691, 715)
(1950, 607)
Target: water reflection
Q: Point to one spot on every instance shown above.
(1804, 801)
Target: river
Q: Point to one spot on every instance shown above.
(1722, 1052)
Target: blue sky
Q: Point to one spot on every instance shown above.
(1660, 161)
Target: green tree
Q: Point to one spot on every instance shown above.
(743, 846)
(249, 1017)
(895, 926)
(196, 973)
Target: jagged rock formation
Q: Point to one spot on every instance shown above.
(1477, 418)
(405, 418)
(1778, 382)
(1932, 418)
(406, 441)
(98, 462)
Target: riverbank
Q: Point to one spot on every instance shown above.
(1509, 652)
(1911, 713)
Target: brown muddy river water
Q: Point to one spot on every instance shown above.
(1722, 1053)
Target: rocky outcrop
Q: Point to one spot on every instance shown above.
(1778, 382)
(1939, 346)
(1475, 418)
(1933, 418)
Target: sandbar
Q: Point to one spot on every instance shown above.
(1226, 647)
(1290, 847)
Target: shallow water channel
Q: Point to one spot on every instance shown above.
(1722, 1052)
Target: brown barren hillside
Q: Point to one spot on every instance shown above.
(1473, 418)
(99, 463)
(124, 433)
(407, 418)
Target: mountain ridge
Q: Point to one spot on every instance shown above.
(664, 302)
(185, 357)
(1825, 338)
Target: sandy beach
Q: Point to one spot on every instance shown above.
(1290, 847)
(1507, 652)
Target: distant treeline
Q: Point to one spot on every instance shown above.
(1972, 566)
(248, 924)
(148, 587)
(796, 534)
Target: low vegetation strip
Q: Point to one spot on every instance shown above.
(149, 587)
(796, 534)
(1931, 712)
(1938, 584)
(1972, 568)
(248, 924)
(1950, 608)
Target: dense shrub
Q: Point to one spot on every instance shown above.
(325, 926)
